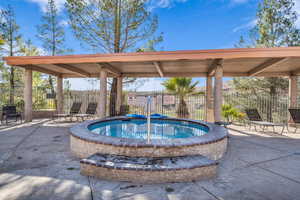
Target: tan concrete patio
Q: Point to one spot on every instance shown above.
(35, 163)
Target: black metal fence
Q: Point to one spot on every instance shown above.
(271, 108)
(41, 98)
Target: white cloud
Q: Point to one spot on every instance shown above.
(64, 23)
(248, 25)
(163, 3)
(43, 4)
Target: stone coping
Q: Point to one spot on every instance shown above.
(215, 133)
(148, 164)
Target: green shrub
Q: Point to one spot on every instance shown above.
(231, 113)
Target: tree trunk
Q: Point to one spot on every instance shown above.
(117, 38)
(12, 86)
(182, 111)
(50, 80)
(113, 98)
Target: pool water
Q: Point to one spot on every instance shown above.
(137, 128)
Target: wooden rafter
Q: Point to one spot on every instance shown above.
(266, 65)
(74, 69)
(159, 68)
(42, 70)
(134, 74)
(212, 67)
(111, 69)
(295, 72)
(188, 74)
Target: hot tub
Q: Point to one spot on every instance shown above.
(128, 137)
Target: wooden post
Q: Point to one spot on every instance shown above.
(59, 95)
(209, 112)
(218, 93)
(28, 95)
(119, 94)
(293, 91)
(103, 94)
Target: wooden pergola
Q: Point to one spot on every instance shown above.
(217, 63)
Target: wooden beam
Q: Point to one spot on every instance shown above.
(295, 72)
(158, 68)
(42, 70)
(187, 74)
(74, 69)
(235, 53)
(111, 69)
(215, 63)
(170, 74)
(263, 74)
(266, 65)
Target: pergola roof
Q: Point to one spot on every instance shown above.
(283, 61)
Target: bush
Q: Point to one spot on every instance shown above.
(231, 113)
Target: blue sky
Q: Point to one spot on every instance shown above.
(186, 24)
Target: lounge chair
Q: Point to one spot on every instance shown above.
(10, 112)
(295, 114)
(75, 109)
(90, 111)
(256, 120)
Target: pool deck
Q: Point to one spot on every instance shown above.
(36, 163)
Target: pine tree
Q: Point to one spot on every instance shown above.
(276, 27)
(111, 26)
(10, 36)
(52, 34)
(276, 24)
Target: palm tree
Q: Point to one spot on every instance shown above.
(182, 87)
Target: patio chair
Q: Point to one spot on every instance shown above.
(90, 111)
(75, 109)
(295, 114)
(255, 119)
(10, 112)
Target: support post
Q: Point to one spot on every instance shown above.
(119, 94)
(293, 91)
(218, 93)
(209, 112)
(28, 95)
(103, 94)
(59, 95)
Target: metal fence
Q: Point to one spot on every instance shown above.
(41, 98)
(166, 104)
(271, 108)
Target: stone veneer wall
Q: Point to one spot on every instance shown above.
(84, 148)
(144, 176)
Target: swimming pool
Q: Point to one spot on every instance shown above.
(137, 129)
